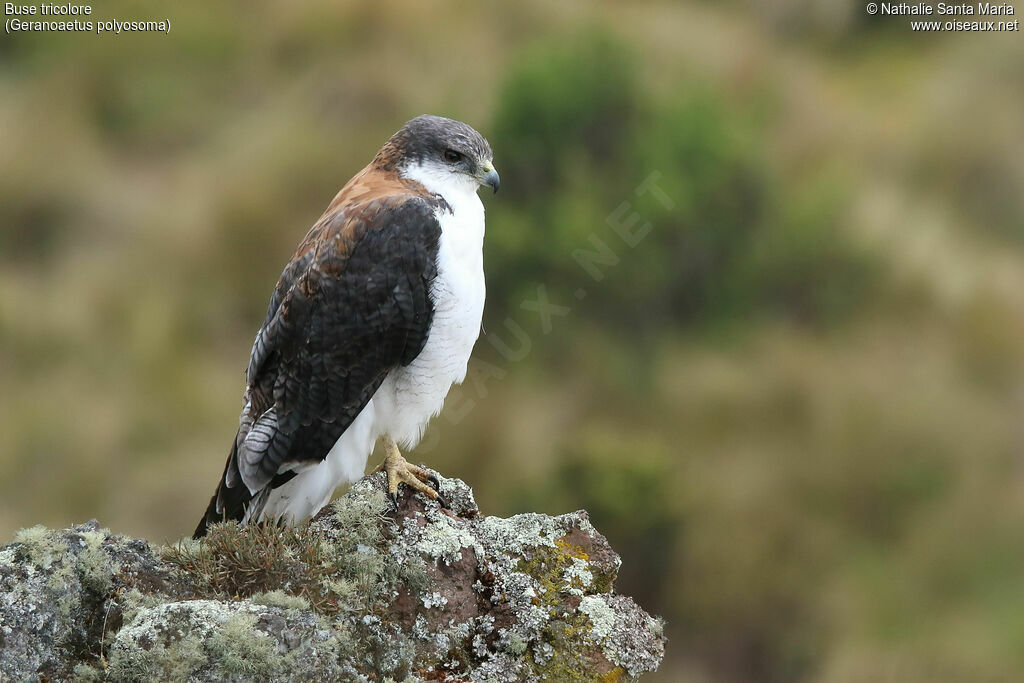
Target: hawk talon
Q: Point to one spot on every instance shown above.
(436, 483)
(401, 471)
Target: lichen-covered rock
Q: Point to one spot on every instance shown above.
(211, 640)
(55, 589)
(362, 594)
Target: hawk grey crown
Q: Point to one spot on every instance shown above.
(443, 143)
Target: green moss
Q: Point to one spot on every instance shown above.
(563, 568)
(545, 566)
(94, 564)
(278, 598)
(363, 575)
(569, 643)
(176, 640)
(74, 560)
(133, 600)
(602, 582)
(84, 673)
(239, 649)
(41, 544)
(345, 592)
(175, 661)
(363, 509)
(59, 585)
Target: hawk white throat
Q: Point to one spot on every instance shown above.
(371, 323)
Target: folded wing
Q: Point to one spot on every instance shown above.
(352, 305)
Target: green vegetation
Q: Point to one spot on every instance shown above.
(712, 232)
(292, 566)
(252, 560)
(792, 402)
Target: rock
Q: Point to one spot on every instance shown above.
(362, 593)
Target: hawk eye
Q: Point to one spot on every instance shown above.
(452, 156)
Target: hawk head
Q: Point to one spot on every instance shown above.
(442, 149)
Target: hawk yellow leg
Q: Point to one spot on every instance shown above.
(401, 471)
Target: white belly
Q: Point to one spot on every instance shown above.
(411, 395)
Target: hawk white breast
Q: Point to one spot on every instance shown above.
(370, 324)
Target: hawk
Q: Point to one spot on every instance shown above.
(371, 323)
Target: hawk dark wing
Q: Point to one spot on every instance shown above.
(351, 305)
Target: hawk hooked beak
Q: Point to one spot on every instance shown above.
(488, 176)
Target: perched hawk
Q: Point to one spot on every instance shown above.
(371, 323)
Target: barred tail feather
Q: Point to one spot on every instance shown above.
(227, 503)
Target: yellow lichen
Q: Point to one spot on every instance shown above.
(572, 550)
(569, 643)
(557, 570)
(613, 676)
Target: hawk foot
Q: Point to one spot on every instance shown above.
(401, 471)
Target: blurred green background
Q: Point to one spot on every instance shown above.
(792, 400)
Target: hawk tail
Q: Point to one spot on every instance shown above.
(227, 503)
